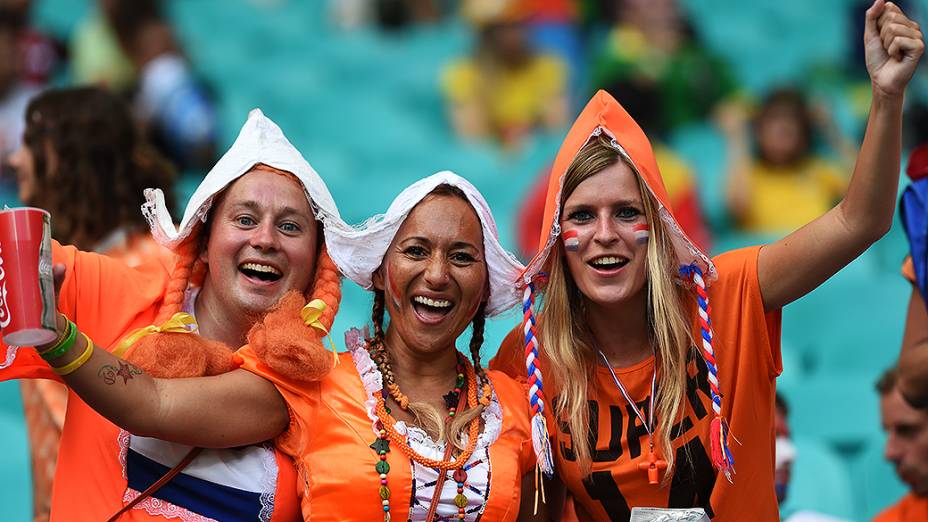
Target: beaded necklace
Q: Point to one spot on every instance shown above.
(386, 431)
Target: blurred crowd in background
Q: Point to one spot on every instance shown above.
(754, 109)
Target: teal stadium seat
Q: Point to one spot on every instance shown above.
(840, 410)
(820, 482)
(16, 490)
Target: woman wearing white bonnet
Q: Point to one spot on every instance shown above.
(249, 235)
(406, 426)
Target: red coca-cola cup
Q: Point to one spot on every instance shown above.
(27, 289)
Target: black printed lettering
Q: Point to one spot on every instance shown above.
(602, 487)
(694, 478)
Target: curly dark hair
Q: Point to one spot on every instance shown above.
(91, 164)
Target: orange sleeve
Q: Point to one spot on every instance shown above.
(510, 358)
(513, 398)
(301, 399)
(103, 296)
(739, 319)
(891, 514)
(908, 269)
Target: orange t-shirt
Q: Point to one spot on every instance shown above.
(909, 508)
(331, 432)
(107, 300)
(747, 347)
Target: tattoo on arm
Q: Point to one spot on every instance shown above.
(110, 373)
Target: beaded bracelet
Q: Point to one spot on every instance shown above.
(63, 345)
(76, 363)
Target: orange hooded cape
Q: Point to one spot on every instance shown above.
(741, 348)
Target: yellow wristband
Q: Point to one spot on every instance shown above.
(76, 363)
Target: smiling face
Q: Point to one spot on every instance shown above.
(434, 275)
(262, 243)
(605, 221)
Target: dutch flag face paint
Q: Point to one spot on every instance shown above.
(642, 232)
(571, 240)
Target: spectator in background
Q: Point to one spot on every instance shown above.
(39, 54)
(906, 448)
(172, 103)
(651, 46)
(506, 89)
(785, 169)
(14, 93)
(83, 141)
(785, 451)
(169, 99)
(96, 56)
(679, 181)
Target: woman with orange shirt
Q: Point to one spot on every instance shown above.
(454, 440)
(662, 385)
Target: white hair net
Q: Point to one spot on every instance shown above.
(358, 252)
(259, 141)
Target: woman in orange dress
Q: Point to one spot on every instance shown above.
(666, 358)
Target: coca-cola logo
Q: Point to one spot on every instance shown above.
(4, 307)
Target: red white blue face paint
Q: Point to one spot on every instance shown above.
(571, 240)
(642, 232)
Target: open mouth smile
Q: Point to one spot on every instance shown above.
(431, 310)
(260, 273)
(608, 265)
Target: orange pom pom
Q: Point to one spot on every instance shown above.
(175, 355)
(285, 343)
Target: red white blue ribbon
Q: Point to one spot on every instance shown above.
(721, 455)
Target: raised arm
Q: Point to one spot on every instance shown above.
(798, 263)
(228, 410)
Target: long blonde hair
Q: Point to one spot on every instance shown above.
(565, 337)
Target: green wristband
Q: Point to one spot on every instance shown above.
(59, 340)
(65, 345)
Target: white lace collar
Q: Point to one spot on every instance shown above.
(372, 380)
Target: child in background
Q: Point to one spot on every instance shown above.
(785, 184)
(506, 89)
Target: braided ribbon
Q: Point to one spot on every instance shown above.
(540, 441)
(722, 458)
(311, 314)
(180, 322)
